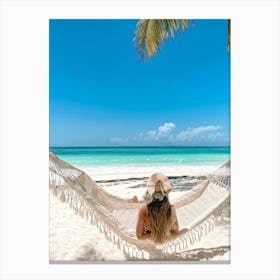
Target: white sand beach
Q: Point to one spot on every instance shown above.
(72, 238)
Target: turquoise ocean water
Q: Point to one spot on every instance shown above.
(135, 156)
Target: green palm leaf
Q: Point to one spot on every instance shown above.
(228, 45)
(150, 33)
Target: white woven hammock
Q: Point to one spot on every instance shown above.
(197, 211)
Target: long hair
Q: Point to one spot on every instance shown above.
(159, 212)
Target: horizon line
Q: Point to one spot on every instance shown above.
(193, 146)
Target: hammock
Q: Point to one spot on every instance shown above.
(116, 218)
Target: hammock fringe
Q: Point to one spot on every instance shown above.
(86, 204)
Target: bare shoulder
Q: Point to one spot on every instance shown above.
(143, 210)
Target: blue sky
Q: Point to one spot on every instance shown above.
(103, 94)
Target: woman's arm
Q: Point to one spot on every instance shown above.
(140, 224)
(134, 199)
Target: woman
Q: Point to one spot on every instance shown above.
(157, 218)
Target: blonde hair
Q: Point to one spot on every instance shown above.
(159, 212)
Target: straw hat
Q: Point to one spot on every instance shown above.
(158, 183)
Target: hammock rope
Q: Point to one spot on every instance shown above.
(115, 217)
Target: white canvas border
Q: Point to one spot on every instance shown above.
(254, 137)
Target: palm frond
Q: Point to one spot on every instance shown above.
(228, 44)
(150, 34)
